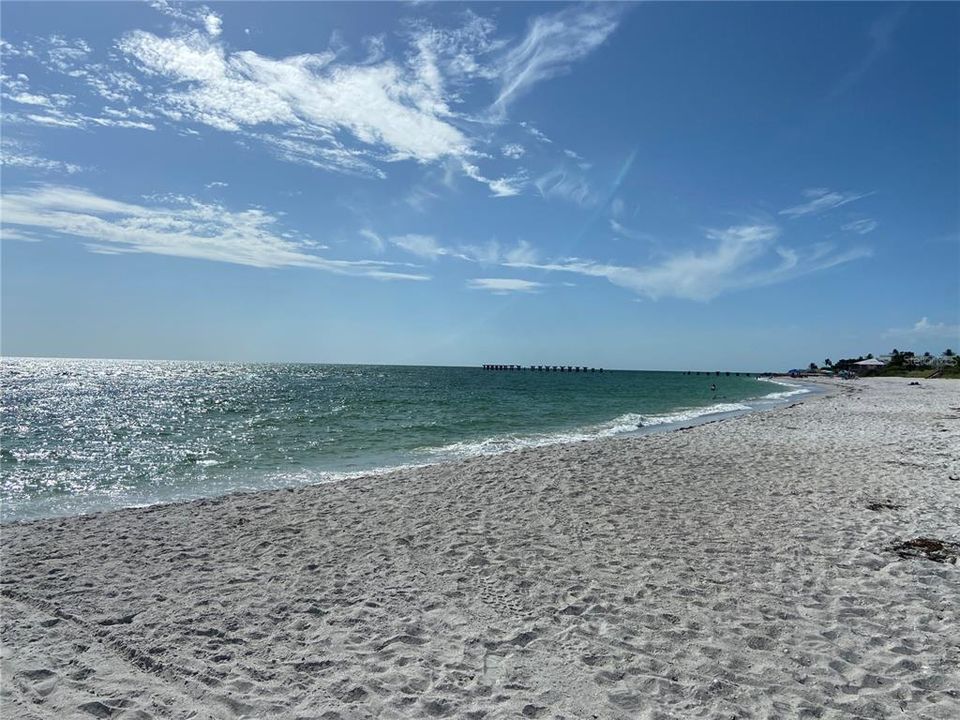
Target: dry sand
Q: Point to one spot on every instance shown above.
(732, 570)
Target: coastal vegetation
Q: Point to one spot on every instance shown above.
(899, 363)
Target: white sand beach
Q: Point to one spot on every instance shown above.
(739, 569)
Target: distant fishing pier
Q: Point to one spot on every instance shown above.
(543, 368)
(577, 368)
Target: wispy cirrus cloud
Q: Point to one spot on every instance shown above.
(305, 107)
(504, 286)
(561, 183)
(860, 227)
(738, 257)
(180, 227)
(820, 200)
(429, 248)
(16, 154)
(880, 34)
(326, 109)
(424, 246)
(552, 44)
(631, 234)
(192, 14)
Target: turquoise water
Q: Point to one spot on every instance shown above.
(86, 435)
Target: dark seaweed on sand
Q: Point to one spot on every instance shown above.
(942, 551)
(883, 505)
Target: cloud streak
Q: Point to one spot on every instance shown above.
(552, 44)
(183, 227)
(504, 286)
(860, 227)
(881, 35)
(739, 257)
(14, 154)
(821, 200)
(319, 109)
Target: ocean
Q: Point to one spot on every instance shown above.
(80, 436)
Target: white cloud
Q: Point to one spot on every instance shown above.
(55, 117)
(114, 86)
(524, 252)
(213, 24)
(395, 113)
(501, 187)
(739, 257)
(460, 53)
(552, 43)
(63, 55)
(419, 198)
(185, 228)
(14, 154)
(923, 329)
(821, 200)
(216, 184)
(9, 233)
(424, 246)
(565, 185)
(375, 240)
(492, 253)
(504, 286)
(319, 150)
(316, 109)
(536, 133)
(197, 15)
(25, 98)
(376, 49)
(506, 187)
(631, 234)
(487, 254)
(861, 227)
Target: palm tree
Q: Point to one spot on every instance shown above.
(827, 363)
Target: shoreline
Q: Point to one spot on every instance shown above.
(581, 434)
(734, 568)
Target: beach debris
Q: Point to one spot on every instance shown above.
(941, 551)
(883, 505)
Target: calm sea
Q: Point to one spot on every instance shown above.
(79, 436)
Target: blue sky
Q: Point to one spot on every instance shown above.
(689, 186)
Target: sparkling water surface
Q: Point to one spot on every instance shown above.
(79, 436)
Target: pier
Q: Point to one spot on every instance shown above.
(542, 368)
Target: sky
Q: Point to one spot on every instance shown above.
(742, 186)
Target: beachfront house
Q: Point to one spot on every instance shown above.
(868, 364)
